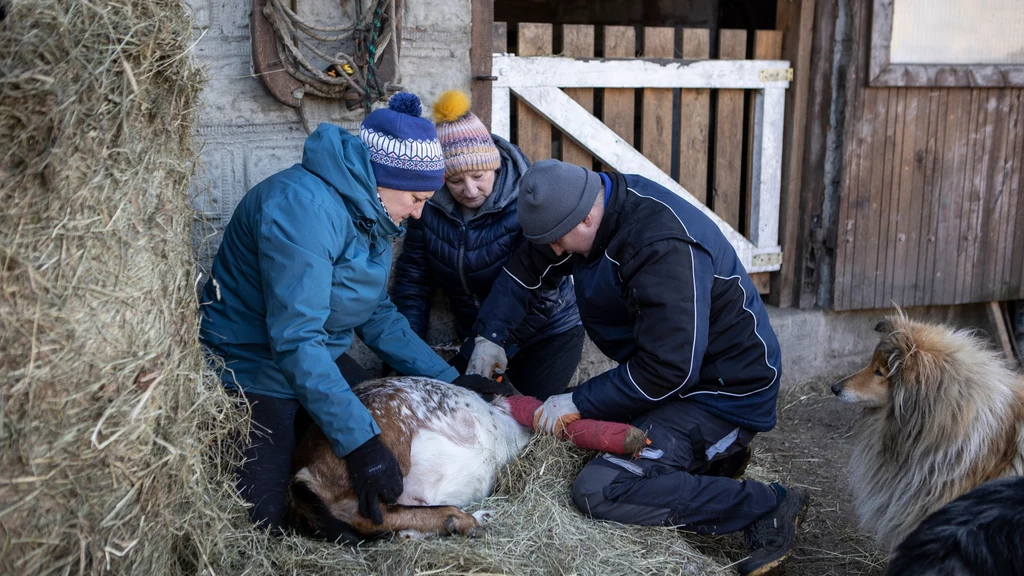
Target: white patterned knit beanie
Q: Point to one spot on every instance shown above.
(404, 151)
(466, 142)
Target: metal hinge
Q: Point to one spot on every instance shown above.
(777, 75)
(763, 260)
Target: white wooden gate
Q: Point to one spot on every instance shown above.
(538, 81)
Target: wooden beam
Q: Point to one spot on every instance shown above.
(795, 18)
(480, 58)
(639, 73)
(1000, 333)
(812, 179)
(767, 46)
(766, 166)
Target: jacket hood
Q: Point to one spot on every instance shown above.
(343, 161)
(506, 182)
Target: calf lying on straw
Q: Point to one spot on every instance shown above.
(449, 443)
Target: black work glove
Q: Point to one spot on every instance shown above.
(375, 476)
(485, 386)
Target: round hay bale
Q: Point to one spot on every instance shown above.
(107, 418)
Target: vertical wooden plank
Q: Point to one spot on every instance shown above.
(1015, 247)
(975, 151)
(796, 20)
(868, 223)
(499, 38)
(767, 46)
(980, 193)
(953, 189)
(619, 103)
(913, 220)
(852, 190)
(809, 290)
(694, 116)
(993, 220)
(1002, 336)
(578, 42)
(903, 225)
(855, 210)
(533, 130)
(482, 13)
(729, 134)
(656, 136)
(890, 195)
(1011, 192)
(933, 194)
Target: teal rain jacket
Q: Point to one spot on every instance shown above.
(303, 265)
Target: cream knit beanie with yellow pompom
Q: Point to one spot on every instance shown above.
(465, 140)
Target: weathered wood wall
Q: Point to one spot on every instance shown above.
(930, 209)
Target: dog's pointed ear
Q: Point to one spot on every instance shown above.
(885, 326)
(888, 347)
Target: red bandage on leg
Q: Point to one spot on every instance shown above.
(614, 437)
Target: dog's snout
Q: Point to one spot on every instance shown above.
(837, 388)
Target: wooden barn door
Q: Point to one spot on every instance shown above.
(930, 208)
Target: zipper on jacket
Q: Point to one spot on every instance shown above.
(462, 271)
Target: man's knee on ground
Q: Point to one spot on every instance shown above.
(588, 489)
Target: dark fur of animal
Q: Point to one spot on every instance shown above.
(979, 534)
(943, 413)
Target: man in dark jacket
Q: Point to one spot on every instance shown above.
(661, 291)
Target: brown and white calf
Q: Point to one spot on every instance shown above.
(450, 444)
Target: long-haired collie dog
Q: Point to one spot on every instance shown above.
(943, 412)
(450, 444)
(979, 534)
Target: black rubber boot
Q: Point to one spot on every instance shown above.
(770, 539)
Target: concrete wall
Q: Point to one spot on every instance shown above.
(247, 135)
(821, 345)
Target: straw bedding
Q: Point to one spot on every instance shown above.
(115, 439)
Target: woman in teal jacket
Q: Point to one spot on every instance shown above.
(302, 267)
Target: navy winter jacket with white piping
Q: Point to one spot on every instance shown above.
(302, 267)
(465, 257)
(663, 293)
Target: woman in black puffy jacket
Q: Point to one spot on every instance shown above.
(467, 232)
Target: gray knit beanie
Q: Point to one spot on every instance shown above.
(554, 197)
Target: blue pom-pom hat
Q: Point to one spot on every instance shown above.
(404, 151)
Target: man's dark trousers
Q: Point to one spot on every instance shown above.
(674, 489)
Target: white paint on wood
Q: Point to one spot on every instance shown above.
(514, 71)
(766, 166)
(590, 133)
(501, 107)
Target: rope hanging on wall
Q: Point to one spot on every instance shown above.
(352, 78)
